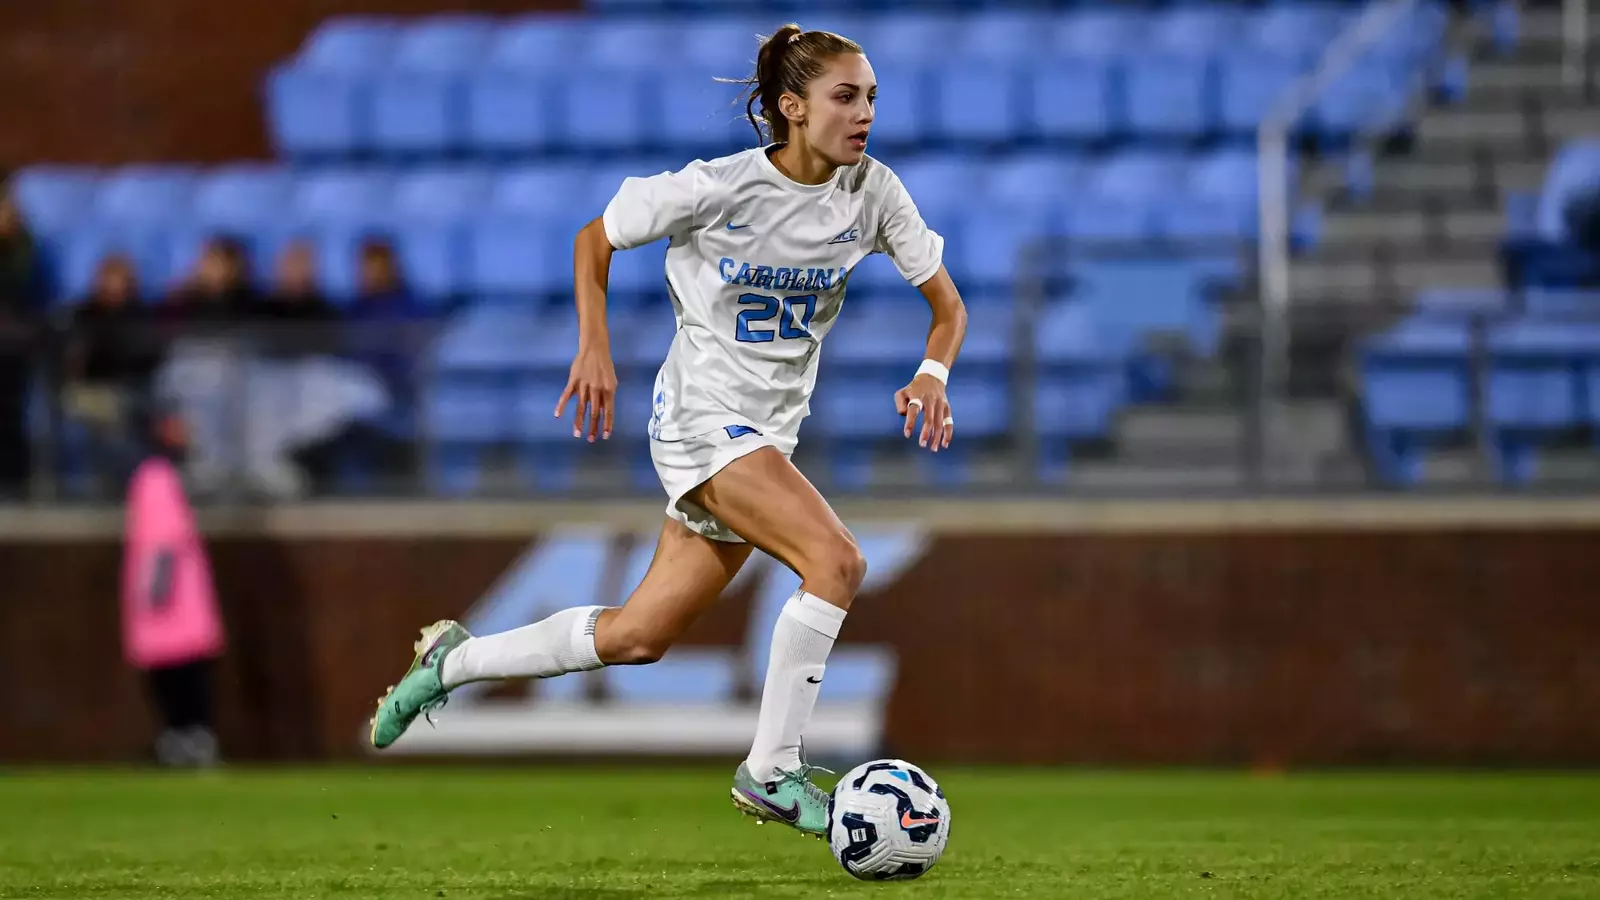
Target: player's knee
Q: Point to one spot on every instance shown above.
(626, 643)
(843, 566)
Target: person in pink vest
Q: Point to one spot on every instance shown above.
(171, 628)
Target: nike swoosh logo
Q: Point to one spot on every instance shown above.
(790, 814)
(906, 821)
(814, 680)
(733, 227)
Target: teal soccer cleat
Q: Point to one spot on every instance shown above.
(791, 799)
(421, 689)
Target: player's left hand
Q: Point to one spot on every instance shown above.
(925, 394)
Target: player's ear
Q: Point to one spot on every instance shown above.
(793, 107)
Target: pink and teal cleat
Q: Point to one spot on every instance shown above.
(421, 690)
(791, 799)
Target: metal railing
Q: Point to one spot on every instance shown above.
(1275, 194)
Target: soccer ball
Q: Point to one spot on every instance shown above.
(887, 820)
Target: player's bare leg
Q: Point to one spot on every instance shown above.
(764, 499)
(685, 577)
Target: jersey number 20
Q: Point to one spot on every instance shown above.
(764, 308)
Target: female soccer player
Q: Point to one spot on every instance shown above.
(762, 243)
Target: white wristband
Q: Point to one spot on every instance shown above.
(935, 368)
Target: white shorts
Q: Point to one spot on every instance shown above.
(684, 465)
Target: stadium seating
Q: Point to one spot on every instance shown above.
(479, 146)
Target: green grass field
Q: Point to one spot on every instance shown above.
(545, 833)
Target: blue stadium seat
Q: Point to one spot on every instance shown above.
(540, 190)
(991, 246)
(636, 44)
(338, 249)
(1575, 168)
(1132, 300)
(460, 417)
(54, 198)
(242, 197)
(641, 270)
(1365, 97)
(145, 195)
(1535, 388)
(1193, 33)
(1000, 36)
(1416, 388)
(418, 113)
(940, 184)
(1031, 182)
(1297, 32)
(350, 44)
(343, 196)
(901, 113)
(915, 39)
(509, 111)
(1108, 219)
(449, 43)
(1220, 203)
(318, 112)
(446, 194)
(977, 102)
(1169, 98)
(1250, 87)
(700, 114)
(511, 258)
(432, 257)
(1195, 219)
(726, 45)
(1100, 33)
(538, 42)
(605, 110)
(1071, 100)
(1582, 305)
(1080, 386)
(1135, 177)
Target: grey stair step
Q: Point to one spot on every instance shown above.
(1496, 128)
(1183, 425)
(1344, 279)
(1092, 476)
(1396, 252)
(1549, 27)
(1502, 81)
(1359, 226)
(1472, 174)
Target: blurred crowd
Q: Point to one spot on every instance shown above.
(259, 381)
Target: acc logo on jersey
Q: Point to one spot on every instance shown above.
(845, 237)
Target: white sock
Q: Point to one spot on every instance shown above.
(801, 641)
(554, 646)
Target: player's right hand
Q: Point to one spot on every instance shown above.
(592, 381)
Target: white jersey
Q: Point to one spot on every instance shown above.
(756, 268)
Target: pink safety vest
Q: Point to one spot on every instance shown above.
(169, 607)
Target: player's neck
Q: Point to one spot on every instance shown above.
(800, 164)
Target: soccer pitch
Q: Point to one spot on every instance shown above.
(608, 834)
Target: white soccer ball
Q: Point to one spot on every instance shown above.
(887, 820)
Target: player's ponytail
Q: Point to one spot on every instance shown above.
(788, 60)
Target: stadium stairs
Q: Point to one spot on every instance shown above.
(1424, 209)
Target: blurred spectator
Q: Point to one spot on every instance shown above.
(219, 292)
(385, 320)
(388, 330)
(111, 357)
(18, 308)
(299, 320)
